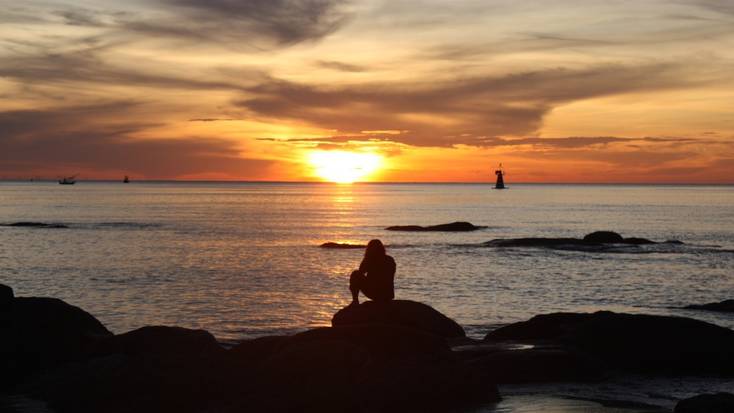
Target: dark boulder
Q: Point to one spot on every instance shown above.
(255, 350)
(39, 333)
(382, 341)
(342, 246)
(150, 369)
(399, 312)
(6, 296)
(162, 341)
(726, 306)
(707, 403)
(314, 373)
(451, 227)
(376, 367)
(645, 343)
(603, 237)
(442, 385)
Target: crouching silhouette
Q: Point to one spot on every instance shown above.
(375, 276)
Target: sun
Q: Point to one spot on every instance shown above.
(342, 166)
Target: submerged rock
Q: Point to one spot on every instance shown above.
(399, 312)
(707, 403)
(644, 343)
(451, 227)
(592, 240)
(726, 306)
(604, 237)
(35, 225)
(337, 245)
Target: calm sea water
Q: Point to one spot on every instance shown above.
(242, 259)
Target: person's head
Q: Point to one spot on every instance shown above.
(375, 249)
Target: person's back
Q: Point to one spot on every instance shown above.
(380, 274)
(375, 276)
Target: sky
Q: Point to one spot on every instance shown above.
(555, 90)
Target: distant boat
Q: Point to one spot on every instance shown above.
(500, 184)
(126, 180)
(67, 180)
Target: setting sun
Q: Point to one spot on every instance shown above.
(343, 167)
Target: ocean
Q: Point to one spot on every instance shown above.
(242, 260)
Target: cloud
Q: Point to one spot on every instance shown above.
(340, 66)
(462, 111)
(242, 24)
(70, 140)
(86, 66)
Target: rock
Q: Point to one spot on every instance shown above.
(382, 341)
(256, 350)
(162, 341)
(125, 383)
(314, 373)
(643, 343)
(150, 369)
(420, 386)
(336, 245)
(6, 295)
(451, 227)
(399, 312)
(533, 242)
(603, 237)
(353, 367)
(707, 403)
(645, 241)
(35, 225)
(592, 241)
(40, 333)
(726, 306)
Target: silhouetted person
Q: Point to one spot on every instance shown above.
(375, 275)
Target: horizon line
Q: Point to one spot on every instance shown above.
(368, 182)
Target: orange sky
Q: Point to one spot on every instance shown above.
(561, 91)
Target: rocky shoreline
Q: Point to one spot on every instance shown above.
(398, 356)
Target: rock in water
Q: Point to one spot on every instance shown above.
(604, 237)
(451, 227)
(634, 342)
(726, 306)
(401, 313)
(35, 225)
(343, 246)
(707, 403)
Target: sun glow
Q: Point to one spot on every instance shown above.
(344, 167)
